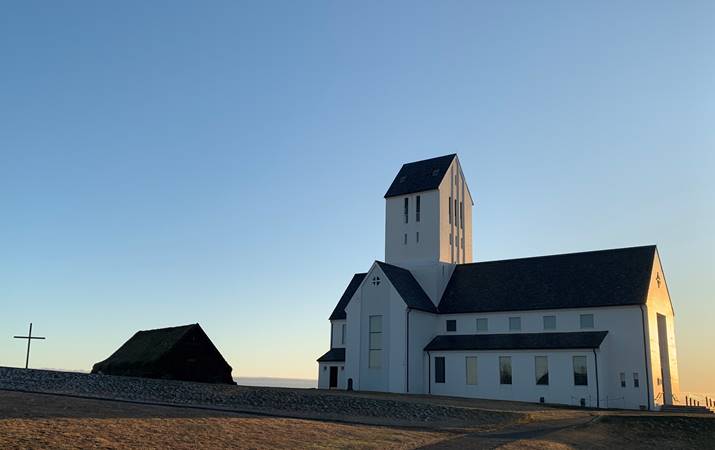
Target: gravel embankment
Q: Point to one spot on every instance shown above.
(306, 403)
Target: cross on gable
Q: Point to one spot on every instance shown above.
(657, 278)
(375, 280)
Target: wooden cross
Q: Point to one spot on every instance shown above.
(29, 338)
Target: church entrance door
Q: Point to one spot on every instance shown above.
(333, 377)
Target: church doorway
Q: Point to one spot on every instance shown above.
(333, 377)
(664, 360)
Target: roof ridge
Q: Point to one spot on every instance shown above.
(430, 159)
(559, 254)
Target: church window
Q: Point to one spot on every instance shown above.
(636, 380)
(471, 363)
(482, 324)
(417, 239)
(405, 238)
(451, 325)
(342, 334)
(450, 238)
(450, 210)
(549, 322)
(417, 209)
(541, 369)
(461, 214)
(586, 321)
(375, 280)
(439, 369)
(375, 356)
(623, 379)
(514, 323)
(456, 218)
(505, 370)
(407, 209)
(580, 372)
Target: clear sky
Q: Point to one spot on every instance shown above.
(164, 163)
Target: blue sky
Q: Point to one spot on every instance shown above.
(224, 163)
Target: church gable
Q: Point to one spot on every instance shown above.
(407, 287)
(658, 293)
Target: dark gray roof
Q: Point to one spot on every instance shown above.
(420, 176)
(333, 355)
(575, 280)
(339, 311)
(518, 341)
(408, 287)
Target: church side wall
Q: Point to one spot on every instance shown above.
(621, 351)
(561, 388)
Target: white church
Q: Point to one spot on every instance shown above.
(594, 329)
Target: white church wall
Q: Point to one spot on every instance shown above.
(561, 388)
(396, 333)
(659, 303)
(413, 252)
(422, 326)
(336, 333)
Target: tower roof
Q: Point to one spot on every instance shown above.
(420, 176)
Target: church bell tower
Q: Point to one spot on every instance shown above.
(428, 214)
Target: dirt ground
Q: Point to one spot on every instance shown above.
(30, 421)
(49, 421)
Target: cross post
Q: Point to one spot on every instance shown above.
(29, 338)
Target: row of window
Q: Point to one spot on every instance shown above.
(636, 380)
(549, 322)
(417, 209)
(417, 238)
(451, 241)
(541, 370)
(458, 212)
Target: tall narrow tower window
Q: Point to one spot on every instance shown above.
(405, 238)
(461, 214)
(417, 209)
(450, 210)
(407, 209)
(456, 218)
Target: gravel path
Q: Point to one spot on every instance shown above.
(303, 403)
